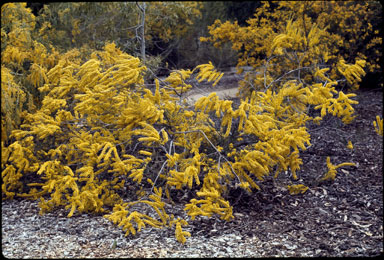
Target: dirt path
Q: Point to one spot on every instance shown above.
(222, 93)
(226, 88)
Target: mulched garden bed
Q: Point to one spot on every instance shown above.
(340, 218)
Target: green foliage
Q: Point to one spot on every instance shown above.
(190, 52)
(73, 25)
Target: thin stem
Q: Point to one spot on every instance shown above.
(161, 169)
(214, 147)
(286, 74)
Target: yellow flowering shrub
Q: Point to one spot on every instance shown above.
(31, 46)
(106, 142)
(294, 39)
(24, 64)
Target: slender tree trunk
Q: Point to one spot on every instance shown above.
(142, 31)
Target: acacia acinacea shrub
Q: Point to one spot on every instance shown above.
(106, 142)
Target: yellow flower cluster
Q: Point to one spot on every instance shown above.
(331, 174)
(378, 124)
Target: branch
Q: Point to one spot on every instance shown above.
(278, 79)
(214, 147)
